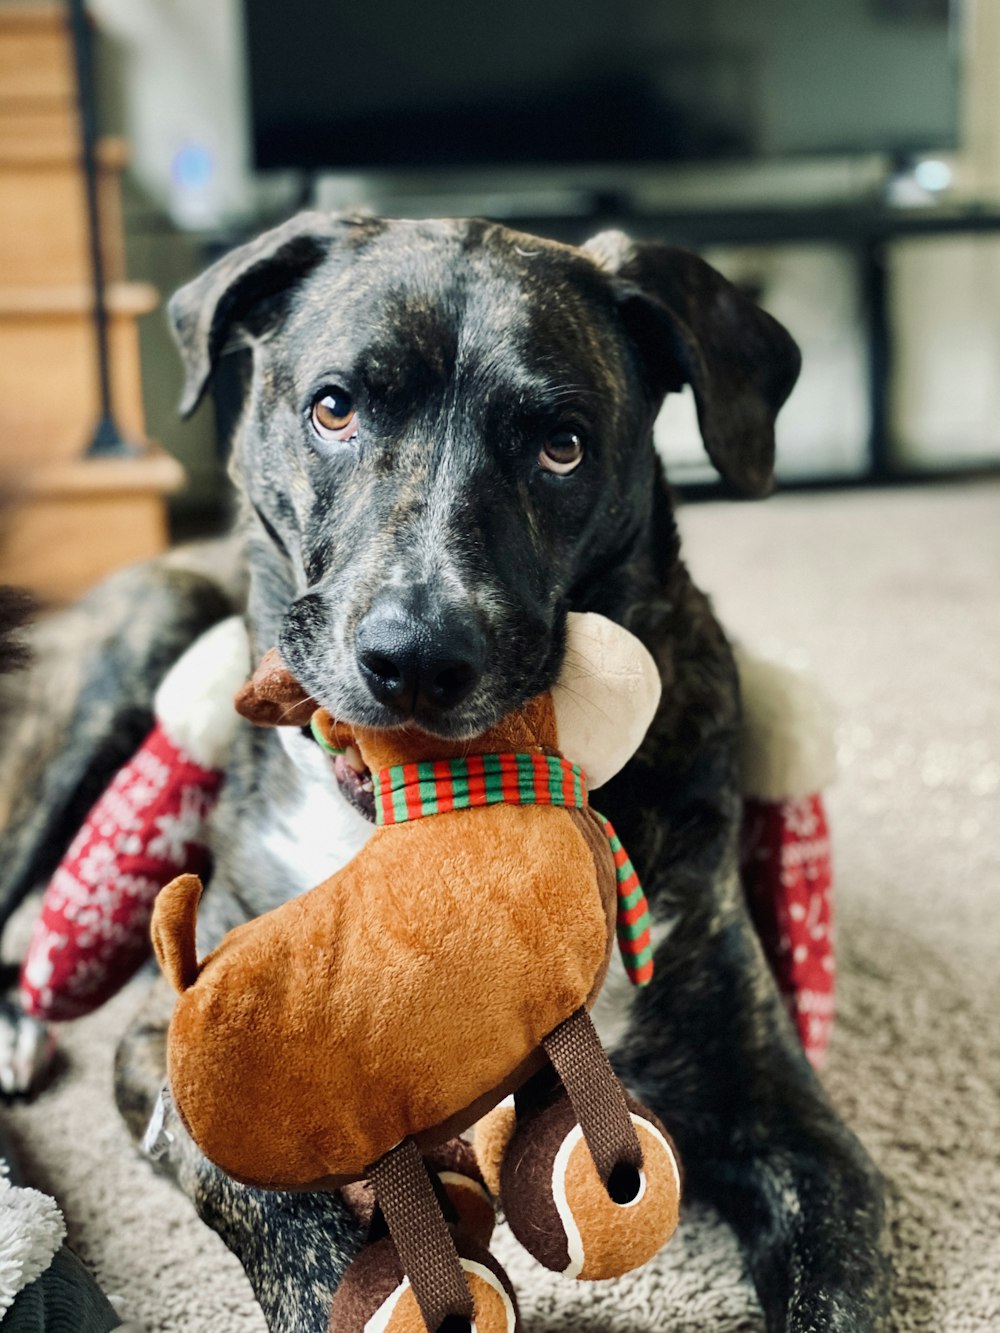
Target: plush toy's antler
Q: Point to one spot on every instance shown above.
(606, 696)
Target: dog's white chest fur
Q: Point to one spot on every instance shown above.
(313, 830)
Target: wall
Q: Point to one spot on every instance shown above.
(946, 390)
(182, 88)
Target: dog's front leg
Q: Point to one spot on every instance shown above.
(294, 1247)
(710, 1048)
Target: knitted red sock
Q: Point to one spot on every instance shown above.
(147, 827)
(787, 877)
(93, 932)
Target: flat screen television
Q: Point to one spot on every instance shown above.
(375, 84)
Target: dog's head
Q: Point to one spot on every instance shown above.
(447, 442)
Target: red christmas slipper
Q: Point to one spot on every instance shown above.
(147, 827)
(788, 759)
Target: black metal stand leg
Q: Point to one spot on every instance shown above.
(875, 291)
(107, 439)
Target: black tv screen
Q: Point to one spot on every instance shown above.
(392, 84)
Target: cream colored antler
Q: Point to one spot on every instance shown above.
(606, 696)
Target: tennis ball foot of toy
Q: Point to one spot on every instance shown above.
(462, 1181)
(560, 1210)
(375, 1294)
(492, 1139)
(466, 1201)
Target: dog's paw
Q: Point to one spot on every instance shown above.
(27, 1047)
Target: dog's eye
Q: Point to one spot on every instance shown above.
(561, 453)
(333, 415)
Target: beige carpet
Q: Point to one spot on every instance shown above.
(894, 600)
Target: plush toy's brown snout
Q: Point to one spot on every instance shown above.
(272, 697)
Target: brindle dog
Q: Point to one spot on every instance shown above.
(446, 445)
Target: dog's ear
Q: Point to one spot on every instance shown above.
(694, 327)
(272, 697)
(246, 281)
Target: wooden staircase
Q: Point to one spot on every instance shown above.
(67, 520)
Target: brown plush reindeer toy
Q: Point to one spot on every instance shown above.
(448, 970)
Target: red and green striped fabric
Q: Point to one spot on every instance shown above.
(634, 940)
(411, 791)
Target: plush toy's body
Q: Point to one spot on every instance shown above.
(450, 964)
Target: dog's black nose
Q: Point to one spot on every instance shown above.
(414, 661)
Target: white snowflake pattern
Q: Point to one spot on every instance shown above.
(177, 830)
(88, 976)
(64, 889)
(121, 810)
(154, 770)
(139, 888)
(133, 790)
(40, 963)
(801, 818)
(99, 861)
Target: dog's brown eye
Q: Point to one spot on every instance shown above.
(562, 453)
(333, 416)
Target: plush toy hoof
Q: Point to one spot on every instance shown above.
(463, 1182)
(473, 1209)
(376, 1297)
(563, 1214)
(493, 1135)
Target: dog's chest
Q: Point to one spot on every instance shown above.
(312, 831)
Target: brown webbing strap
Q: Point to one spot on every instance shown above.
(423, 1242)
(597, 1098)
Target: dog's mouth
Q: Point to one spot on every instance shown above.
(355, 782)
